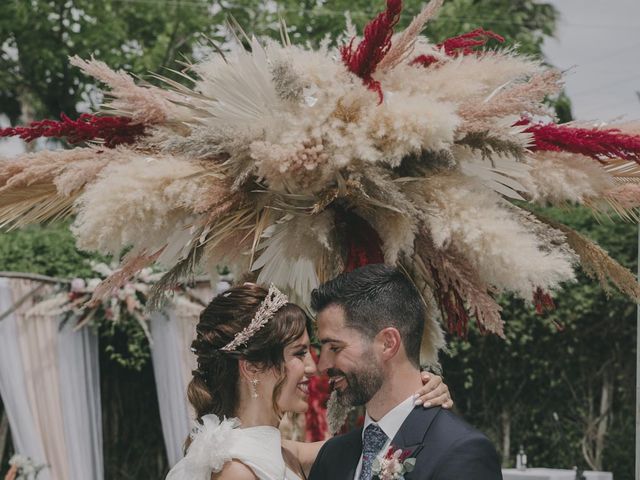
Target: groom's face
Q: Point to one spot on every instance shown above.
(347, 357)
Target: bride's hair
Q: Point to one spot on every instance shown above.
(215, 387)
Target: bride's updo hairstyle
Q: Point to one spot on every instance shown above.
(215, 386)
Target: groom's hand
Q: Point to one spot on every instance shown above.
(434, 392)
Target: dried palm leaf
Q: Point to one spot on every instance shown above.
(42, 204)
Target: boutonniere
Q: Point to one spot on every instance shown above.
(393, 464)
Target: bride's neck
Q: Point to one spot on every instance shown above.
(256, 412)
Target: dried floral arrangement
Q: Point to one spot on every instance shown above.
(120, 314)
(297, 164)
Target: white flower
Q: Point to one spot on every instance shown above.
(78, 285)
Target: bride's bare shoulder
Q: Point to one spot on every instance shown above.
(234, 470)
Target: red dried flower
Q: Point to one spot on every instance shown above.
(543, 301)
(112, 130)
(464, 44)
(596, 143)
(316, 427)
(375, 44)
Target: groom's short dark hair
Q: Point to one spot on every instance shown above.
(375, 297)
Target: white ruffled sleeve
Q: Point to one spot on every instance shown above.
(209, 449)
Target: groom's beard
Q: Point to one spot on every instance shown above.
(361, 386)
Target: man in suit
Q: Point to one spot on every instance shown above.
(370, 324)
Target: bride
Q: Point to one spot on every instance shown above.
(254, 365)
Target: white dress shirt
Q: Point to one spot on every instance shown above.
(390, 424)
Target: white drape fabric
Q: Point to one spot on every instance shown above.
(172, 333)
(81, 408)
(26, 438)
(55, 386)
(171, 383)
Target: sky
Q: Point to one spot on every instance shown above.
(597, 42)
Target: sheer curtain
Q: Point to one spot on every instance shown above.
(25, 437)
(53, 392)
(81, 409)
(172, 367)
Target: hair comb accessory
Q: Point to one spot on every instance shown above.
(273, 302)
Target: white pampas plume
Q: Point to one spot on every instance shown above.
(503, 251)
(142, 202)
(560, 177)
(144, 104)
(405, 125)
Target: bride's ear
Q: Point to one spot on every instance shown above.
(248, 370)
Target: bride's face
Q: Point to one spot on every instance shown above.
(299, 367)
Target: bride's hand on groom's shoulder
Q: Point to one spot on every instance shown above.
(434, 392)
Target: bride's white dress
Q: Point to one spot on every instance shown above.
(216, 442)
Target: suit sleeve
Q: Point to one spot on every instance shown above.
(318, 470)
(472, 458)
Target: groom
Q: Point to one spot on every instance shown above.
(370, 323)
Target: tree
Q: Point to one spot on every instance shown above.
(38, 36)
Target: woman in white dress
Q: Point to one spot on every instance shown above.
(254, 365)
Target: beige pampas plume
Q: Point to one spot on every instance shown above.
(146, 104)
(516, 99)
(469, 77)
(43, 186)
(403, 43)
(627, 195)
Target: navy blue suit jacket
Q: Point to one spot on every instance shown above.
(445, 448)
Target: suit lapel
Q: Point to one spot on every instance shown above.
(414, 430)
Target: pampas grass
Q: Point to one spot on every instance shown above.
(558, 178)
(518, 99)
(146, 104)
(138, 203)
(505, 254)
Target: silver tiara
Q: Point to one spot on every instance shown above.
(273, 302)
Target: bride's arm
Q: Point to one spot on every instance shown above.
(306, 453)
(234, 470)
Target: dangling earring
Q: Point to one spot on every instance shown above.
(254, 384)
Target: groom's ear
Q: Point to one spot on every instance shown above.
(390, 342)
